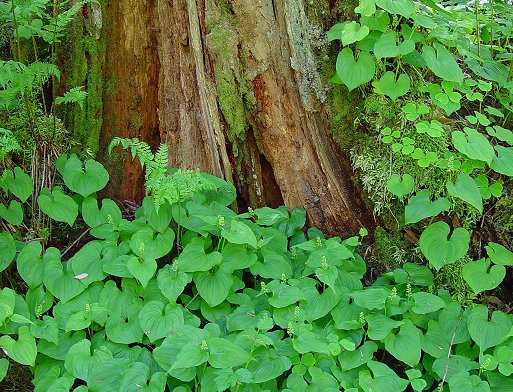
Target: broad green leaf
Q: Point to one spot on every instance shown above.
(439, 248)
(7, 250)
(503, 163)
(225, 354)
(135, 379)
(79, 359)
(400, 7)
(123, 326)
(19, 183)
(158, 220)
(371, 298)
(499, 254)
(308, 342)
(435, 341)
(46, 328)
(172, 282)
(84, 180)
(193, 258)
(486, 333)
(405, 346)
(355, 73)
(12, 214)
(238, 257)
(366, 7)
(7, 304)
(267, 367)
(23, 350)
(481, 277)
(420, 207)
(149, 244)
(158, 320)
(386, 47)
(466, 190)
(427, 303)
(87, 263)
(474, 145)
(362, 355)
(379, 325)
(504, 356)
(464, 382)
(109, 212)
(393, 88)
(142, 269)
(30, 264)
(213, 287)
(4, 366)
(442, 63)
(398, 187)
(240, 233)
(57, 205)
(285, 295)
(59, 278)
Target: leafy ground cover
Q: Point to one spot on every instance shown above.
(191, 296)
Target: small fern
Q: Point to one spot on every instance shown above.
(74, 95)
(8, 143)
(160, 184)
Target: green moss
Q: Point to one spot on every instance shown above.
(82, 55)
(391, 249)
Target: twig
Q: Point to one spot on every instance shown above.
(75, 242)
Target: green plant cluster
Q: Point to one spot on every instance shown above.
(440, 80)
(246, 302)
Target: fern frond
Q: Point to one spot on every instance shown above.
(137, 149)
(74, 95)
(8, 143)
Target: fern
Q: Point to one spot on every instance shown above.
(8, 143)
(74, 95)
(162, 186)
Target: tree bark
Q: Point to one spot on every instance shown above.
(233, 88)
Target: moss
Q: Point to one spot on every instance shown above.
(83, 56)
(231, 86)
(391, 249)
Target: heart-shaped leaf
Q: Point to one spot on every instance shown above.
(488, 333)
(392, 88)
(467, 190)
(59, 278)
(499, 254)
(213, 287)
(420, 207)
(474, 145)
(94, 216)
(194, 259)
(149, 244)
(405, 346)
(57, 205)
(157, 321)
(240, 233)
(354, 73)
(441, 250)
(7, 250)
(79, 360)
(23, 350)
(442, 63)
(480, 277)
(386, 46)
(172, 282)
(366, 8)
(84, 180)
(12, 214)
(19, 183)
(399, 187)
(503, 163)
(353, 32)
(30, 264)
(142, 269)
(399, 7)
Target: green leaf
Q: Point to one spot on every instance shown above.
(58, 278)
(12, 214)
(405, 346)
(366, 7)
(399, 187)
(84, 180)
(142, 269)
(386, 46)
(7, 304)
(157, 321)
(464, 382)
(135, 379)
(19, 183)
(362, 355)
(399, 7)
(240, 233)
(370, 298)
(191, 355)
(123, 325)
(353, 32)
(4, 366)
(505, 358)
(474, 145)
(23, 350)
(7, 250)
(308, 342)
(88, 263)
(213, 287)
(499, 254)
(149, 244)
(158, 220)
(79, 360)
(225, 354)
(355, 73)
(480, 277)
(503, 163)
(193, 258)
(392, 88)
(420, 207)
(427, 303)
(442, 63)
(379, 325)
(486, 333)
(441, 250)
(30, 264)
(285, 295)
(172, 282)
(57, 205)
(466, 190)
(94, 216)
